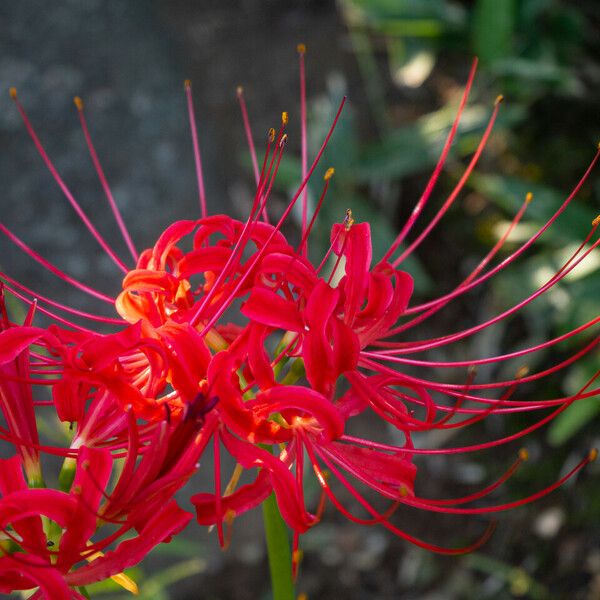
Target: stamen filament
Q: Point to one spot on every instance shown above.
(103, 181)
(196, 146)
(65, 190)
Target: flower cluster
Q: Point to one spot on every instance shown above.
(228, 337)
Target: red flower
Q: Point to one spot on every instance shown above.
(313, 355)
(16, 400)
(49, 556)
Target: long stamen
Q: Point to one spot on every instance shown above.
(277, 227)
(430, 506)
(12, 283)
(280, 143)
(257, 207)
(218, 506)
(471, 374)
(388, 525)
(522, 457)
(483, 263)
(457, 189)
(301, 49)
(302, 248)
(512, 257)
(197, 156)
(103, 181)
(328, 253)
(444, 387)
(248, 130)
(61, 184)
(388, 355)
(54, 270)
(438, 168)
(492, 443)
(46, 311)
(427, 345)
(492, 408)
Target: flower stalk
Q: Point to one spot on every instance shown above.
(279, 552)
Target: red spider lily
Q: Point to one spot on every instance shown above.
(16, 400)
(313, 355)
(47, 552)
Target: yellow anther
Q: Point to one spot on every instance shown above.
(597, 145)
(522, 372)
(499, 99)
(348, 220)
(271, 134)
(596, 221)
(235, 477)
(283, 140)
(126, 583)
(329, 174)
(240, 90)
(524, 454)
(13, 92)
(403, 491)
(285, 117)
(229, 516)
(120, 578)
(593, 455)
(297, 555)
(472, 370)
(528, 197)
(301, 48)
(302, 596)
(78, 102)
(187, 84)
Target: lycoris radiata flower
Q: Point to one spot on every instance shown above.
(313, 347)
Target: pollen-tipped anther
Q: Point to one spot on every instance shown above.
(593, 455)
(522, 372)
(528, 197)
(297, 556)
(285, 118)
(271, 135)
(13, 92)
(239, 91)
(329, 174)
(524, 454)
(301, 48)
(596, 221)
(187, 84)
(283, 140)
(499, 99)
(348, 220)
(78, 102)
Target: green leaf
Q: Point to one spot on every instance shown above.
(568, 423)
(493, 28)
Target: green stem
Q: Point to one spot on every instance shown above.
(278, 547)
